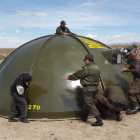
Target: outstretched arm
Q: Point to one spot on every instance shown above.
(77, 75)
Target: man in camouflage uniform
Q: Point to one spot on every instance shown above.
(89, 78)
(113, 100)
(130, 48)
(126, 52)
(134, 68)
(62, 29)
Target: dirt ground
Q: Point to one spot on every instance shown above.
(127, 129)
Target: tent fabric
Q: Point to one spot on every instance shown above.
(48, 59)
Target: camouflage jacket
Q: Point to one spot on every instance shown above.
(134, 67)
(129, 48)
(89, 75)
(60, 31)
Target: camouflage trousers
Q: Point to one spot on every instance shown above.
(134, 93)
(18, 106)
(89, 94)
(105, 102)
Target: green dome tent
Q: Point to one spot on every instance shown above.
(49, 59)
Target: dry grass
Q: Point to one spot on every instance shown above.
(2, 57)
(4, 53)
(123, 46)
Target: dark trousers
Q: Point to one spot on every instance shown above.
(89, 95)
(134, 93)
(18, 106)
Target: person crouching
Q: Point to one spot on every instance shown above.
(18, 92)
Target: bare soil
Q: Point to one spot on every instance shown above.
(127, 129)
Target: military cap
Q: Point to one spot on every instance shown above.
(63, 22)
(134, 46)
(89, 57)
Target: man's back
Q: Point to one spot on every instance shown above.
(92, 76)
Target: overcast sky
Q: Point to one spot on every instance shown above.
(109, 21)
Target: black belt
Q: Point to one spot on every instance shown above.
(124, 107)
(138, 76)
(91, 86)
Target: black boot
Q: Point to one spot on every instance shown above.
(133, 110)
(119, 116)
(12, 120)
(84, 116)
(103, 110)
(139, 106)
(24, 120)
(98, 122)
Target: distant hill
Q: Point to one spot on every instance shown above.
(122, 45)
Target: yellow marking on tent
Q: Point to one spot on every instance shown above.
(33, 107)
(91, 44)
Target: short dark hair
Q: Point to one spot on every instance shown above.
(63, 22)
